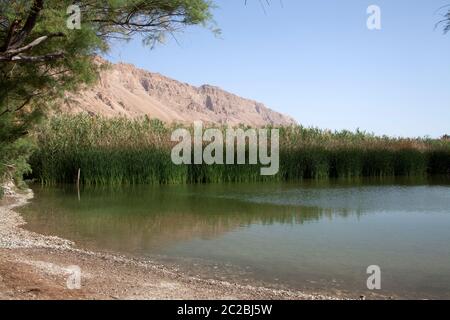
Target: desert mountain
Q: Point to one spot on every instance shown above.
(124, 90)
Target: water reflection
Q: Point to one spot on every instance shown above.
(324, 234)
(147, 218)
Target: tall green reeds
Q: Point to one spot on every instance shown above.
(122, 151)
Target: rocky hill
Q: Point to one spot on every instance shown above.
(124, 90)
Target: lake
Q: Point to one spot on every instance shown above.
(313, 236)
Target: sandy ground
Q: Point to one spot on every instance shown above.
(34, 266)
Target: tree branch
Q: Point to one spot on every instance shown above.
(38, 41)
(42, 58)
(23, 105)
(18, 39)
(11, 31)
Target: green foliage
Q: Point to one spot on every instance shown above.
(14, 160)
(121, 151)
(41, 59)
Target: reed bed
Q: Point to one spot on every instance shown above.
(122, 151)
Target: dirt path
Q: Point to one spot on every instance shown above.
(33, 266)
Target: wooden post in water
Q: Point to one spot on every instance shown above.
(78, 183)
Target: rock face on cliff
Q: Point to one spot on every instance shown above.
(124, 90)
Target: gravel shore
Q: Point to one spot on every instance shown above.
(34, 266)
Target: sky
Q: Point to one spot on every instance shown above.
(317, 61)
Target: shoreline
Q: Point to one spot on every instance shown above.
(34, 266)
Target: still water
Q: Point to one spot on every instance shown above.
(311, 236)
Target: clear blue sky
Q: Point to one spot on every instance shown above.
(317, 61)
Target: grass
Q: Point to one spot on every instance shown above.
(120, 151)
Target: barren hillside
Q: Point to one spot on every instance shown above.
(124, 90)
